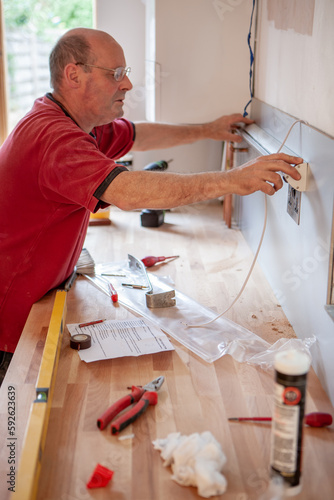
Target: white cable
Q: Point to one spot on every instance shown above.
(259, 246)
(288, 133)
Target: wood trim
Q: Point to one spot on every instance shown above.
(330, 291)
(3, 78)
(227, 204)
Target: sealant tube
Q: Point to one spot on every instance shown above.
(291, 369)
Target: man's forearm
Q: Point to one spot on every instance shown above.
(151, 136)
(160, 135)
(159, 190)
(145, 189)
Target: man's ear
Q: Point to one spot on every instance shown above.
(72, 75)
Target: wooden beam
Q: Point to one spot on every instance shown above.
(228, 199)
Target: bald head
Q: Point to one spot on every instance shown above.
(77, 45)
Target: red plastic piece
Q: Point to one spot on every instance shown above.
(100, 477)
(317, 419)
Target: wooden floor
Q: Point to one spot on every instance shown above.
(197, 396)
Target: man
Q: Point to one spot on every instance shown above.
(57, 166)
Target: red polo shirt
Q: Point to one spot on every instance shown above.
(51, 174)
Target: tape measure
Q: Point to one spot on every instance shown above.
(80, 341)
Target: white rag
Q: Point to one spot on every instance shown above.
(196, 460)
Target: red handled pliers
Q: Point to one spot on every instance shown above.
(142, 396)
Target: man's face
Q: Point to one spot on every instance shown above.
(103, 96)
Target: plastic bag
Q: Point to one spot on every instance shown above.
(210, 342)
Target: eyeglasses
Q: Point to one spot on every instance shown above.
(119, 73)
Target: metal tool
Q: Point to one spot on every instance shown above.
(160, 299)
(315, 419)
(142, 396)
(138, 267)
(154, 298)
(69, 282)
(151, 260)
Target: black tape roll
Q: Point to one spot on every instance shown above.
(80, 341)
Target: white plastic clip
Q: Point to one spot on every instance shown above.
(301, 185)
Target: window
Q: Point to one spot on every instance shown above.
(29, 29)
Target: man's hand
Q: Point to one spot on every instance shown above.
(262, 174)
(222, 128)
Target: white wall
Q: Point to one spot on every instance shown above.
(295, 71)
(202, 53)
(197, 46)
(125, 21)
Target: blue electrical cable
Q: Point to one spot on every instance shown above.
(251, 60)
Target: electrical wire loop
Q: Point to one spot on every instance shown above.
(259, 245)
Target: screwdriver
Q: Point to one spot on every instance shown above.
(151, 260)
(158, 165)
(315, 419)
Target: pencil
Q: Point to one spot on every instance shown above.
(82, 325)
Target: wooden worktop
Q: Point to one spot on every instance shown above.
(196, 396)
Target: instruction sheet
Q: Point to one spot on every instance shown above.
(115, 339)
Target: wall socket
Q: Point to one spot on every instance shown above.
(294, 201)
